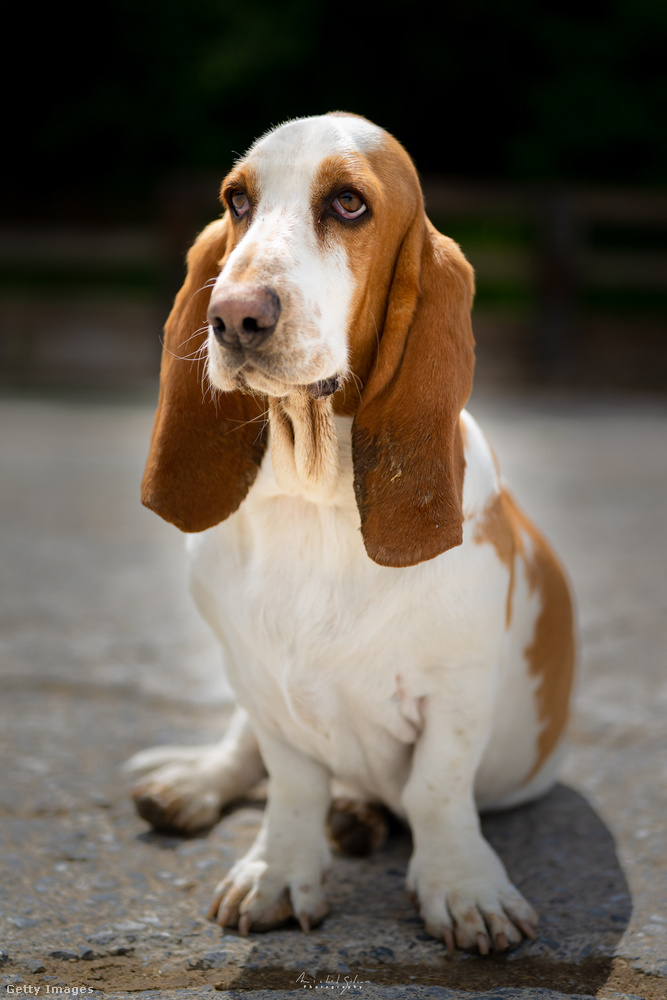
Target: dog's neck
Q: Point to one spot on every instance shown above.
(304, 445)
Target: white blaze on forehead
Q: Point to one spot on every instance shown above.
(287, 158)
(318, 137)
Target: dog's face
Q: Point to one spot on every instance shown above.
(315, 214)
(323, 284)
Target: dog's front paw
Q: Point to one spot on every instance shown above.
(469, 901)
(260, 896)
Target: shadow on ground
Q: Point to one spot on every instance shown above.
(557, 851)
(90, 896)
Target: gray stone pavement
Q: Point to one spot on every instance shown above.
(102, 654)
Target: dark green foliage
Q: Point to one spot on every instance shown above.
(130, 91)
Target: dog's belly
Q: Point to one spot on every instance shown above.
(337, 655)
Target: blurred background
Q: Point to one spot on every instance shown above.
(538, 129)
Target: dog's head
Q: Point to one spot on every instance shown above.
(323, 276)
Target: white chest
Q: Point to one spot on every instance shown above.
(312, 651)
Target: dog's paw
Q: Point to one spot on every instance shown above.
(470, 902)
(258, 896)
(184, 795)
(357, 828)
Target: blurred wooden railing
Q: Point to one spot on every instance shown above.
(572, 285)
(594, 265)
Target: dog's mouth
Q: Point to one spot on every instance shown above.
(325, 387)
(272, 373)
(252, 378)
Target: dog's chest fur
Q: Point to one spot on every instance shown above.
(330, 650)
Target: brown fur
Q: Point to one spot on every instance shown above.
(205, 451)
(407, 447)
(551, 654)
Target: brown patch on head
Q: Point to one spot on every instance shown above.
(411, 353)
(205, 452)
(337, 173)
(242, 177)
(359, 238)
(397, 205)
(551, 654)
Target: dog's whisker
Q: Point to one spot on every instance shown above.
(263, 417)
(192, 336)
(358, 384)
(184, 357)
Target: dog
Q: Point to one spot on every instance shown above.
(396, 631)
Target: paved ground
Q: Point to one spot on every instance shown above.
(102, 655)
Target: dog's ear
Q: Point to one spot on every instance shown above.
(206, 448)
(407, 446)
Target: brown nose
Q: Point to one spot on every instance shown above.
(244, 315)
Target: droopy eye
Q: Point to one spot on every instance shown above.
(348, 205)
(239, 202)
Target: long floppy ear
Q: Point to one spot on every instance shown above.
(206, 448)
(407, 447)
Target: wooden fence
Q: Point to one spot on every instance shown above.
(572, 286)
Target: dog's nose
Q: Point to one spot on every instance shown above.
(244, 315)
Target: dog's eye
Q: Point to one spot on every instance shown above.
(239, 202)
(349, 205)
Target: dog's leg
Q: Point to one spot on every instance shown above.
(187, 787)
(455, 879)
(281, 875)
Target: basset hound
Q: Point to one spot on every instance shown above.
(395, 630)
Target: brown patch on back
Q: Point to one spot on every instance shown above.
(495, 529)
(551, 654)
